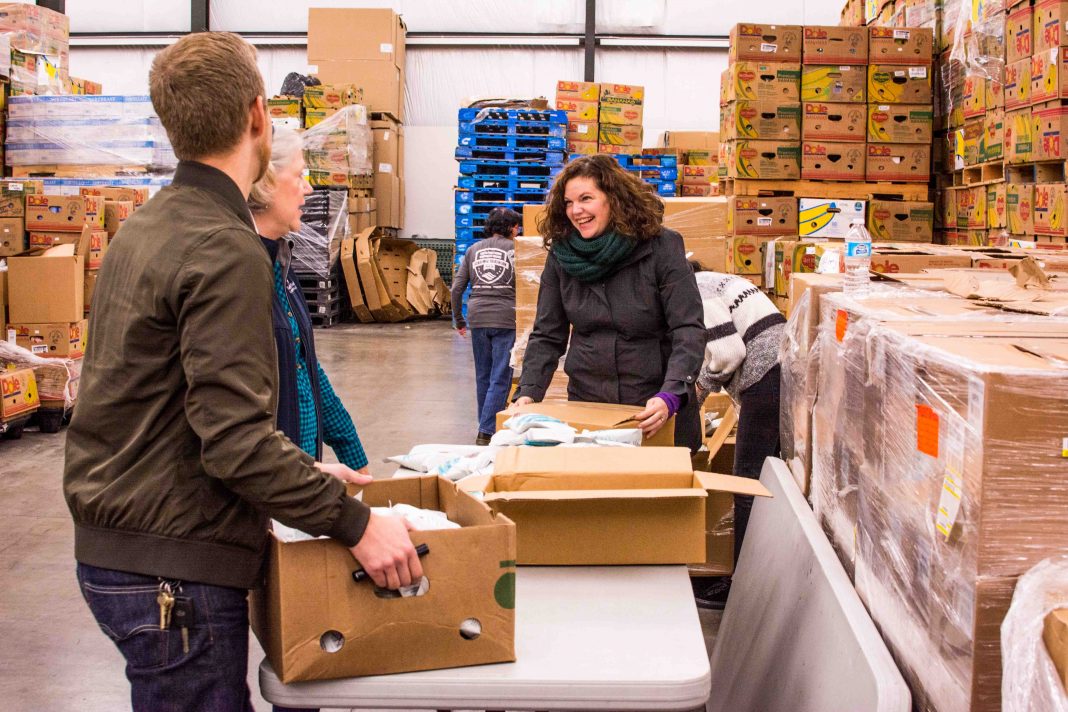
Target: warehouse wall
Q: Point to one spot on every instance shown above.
(682, 86)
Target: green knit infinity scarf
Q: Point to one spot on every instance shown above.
(595, 259)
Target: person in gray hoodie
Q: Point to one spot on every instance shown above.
(489, 268)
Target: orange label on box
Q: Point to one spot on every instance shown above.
(926, 430)
(841, 323)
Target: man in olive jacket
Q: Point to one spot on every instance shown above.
(173, 462)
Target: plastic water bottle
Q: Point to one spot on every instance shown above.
(857, 260)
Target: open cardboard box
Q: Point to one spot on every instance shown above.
(46, 286)
(316, 623)
(593, 416)
(608, 505)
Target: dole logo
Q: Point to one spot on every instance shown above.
(747, 205)
(822, 109)
(815, 33)
(879, 151)
(750, 30)
(1024, 210)
(37, 201)
(815, 149)
(11, 386)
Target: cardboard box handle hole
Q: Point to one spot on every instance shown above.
(470, 629)
(331, 641)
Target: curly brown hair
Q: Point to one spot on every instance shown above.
(636, 209)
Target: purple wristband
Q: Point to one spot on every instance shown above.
(671, 400)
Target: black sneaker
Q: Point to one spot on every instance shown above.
(483, 439)
(712, 592)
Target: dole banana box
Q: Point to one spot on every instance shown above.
(949, 209)
(59, 340)
(578, 91)
(582, 130)
(1019, 136)
(620, 114)
(901, 45)
(973, 100)
(1050, 19)
(18, 393)
(828, 218)
(618, 135)
(744, 254)
(901, 221)
(725, 86)
(832, 122)
(898, 84)
(69, 213)
(1049, 76)
(1018, 84)
(1019, 208)
(992, 147)
(1018, 34)
(765, 43)
(898, 162)
(582, 148)
(1049, 209)
(581, 111)
(1051, 133)
(760, 215)
(835, 45)
(759, 81)
(995, 93)
(764, 160)
(900, 123)
(996, 208)
(765, 120)
(971, 208)
(629, 94)
(823, 160)
(838, 84)
(699, 174)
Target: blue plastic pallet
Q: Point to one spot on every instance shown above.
(512, 128)
(489, 195)
(505, 141)
(551, 116)
(665, 189)
(652, 173)
(647, 160)
(486, 167)
(478, 182)
(540, 155)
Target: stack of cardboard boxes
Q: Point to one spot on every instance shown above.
(581, 102)
(602, 117)
(40, 50)
(698, 153)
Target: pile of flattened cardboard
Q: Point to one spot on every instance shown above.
(391, 279)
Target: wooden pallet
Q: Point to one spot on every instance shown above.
(77, 171)
(982, 174)
(1037, 172)
(851, 190)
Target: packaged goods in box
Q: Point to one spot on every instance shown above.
(1018, 33)
(309, 594)
(578, 91)
(835, 45)
(1050, 18)
(12, 236)
(764, 160)
(624, 114)
(582, 148)
(620, 505)
(823, 218)
(971, 208)
(1049, 76)
(1049, 208)
(64, 339)
(900, 123)
(594, 416)
(1018, 84)
(618, 135)
(992, 144)
(900, 45)
(1019, 136)
(1019, 212)
(339, 149)
(1051, 125)
(583, 111)
(628, 94)
(745, 254)
(833, 122)
(839, 84)
(582, 130)
(764, 120)
(824, 160)
(901, 221)
(765, 43)
(48, 286)
(760, 215)
(759, 81)
(899, 162)
(996, 207)
(898, 84)
(18, 393)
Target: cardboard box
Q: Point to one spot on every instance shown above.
(619, 135)
(1050, 18)
(836, 84)
(388, 195)
(1049, 208)
(12, 236)
(622, 114)
(629, 94)
(90, 287)
(996, 208)
(765, 43)
(1019, 136)
(582, 148)
(1018, 84)
(137, 196)
(388, 137)
(745, 254)
(607, 506)
(578, 91)
(900, 123)
(764, 160)
(835, 45)
(331, 96)
(1019, 208)
(315, 623)
(972, 135)
(971, 208)
(381, 82)
(3, 306)
(47, 286)
(691, 141)
(895, 260)
(18, 393)
(898, 84)
(1049, 76)
(824, 218)
(578, 111)
(765, 120)
(360, 34)
(116, 212)
(1018, 34)
(582, 131)
(68, 213)
(286, 111)
(759, 81)
(60, 340)
(901, 221)
(899, 45)
(1051, 124)
(899, 162)
(698, 175)
(594, 416)
(758, 215)
(13, 196)
(833, 122)
(992, 144)
(1055, 636)
(825, 160)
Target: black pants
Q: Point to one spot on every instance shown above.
(757, 439)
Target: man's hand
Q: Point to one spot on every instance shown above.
(387, 554)
(343, 473)
(653, 417)
(524, 400)
(365, 470)
(461, 330)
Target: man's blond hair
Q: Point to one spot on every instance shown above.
(202, 87)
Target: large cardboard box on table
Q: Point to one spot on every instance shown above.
(316, 623)
(765, 43)
(47, 286)
(838, 84)
(763, 81)
(822, 121)
(835, 45)
(901, 221)
(594, 416)
(608, 506)
(826, 160)
(60, 340)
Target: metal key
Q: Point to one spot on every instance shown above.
(184, 618)
(166, 603)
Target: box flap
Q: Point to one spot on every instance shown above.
(583, 461)
(729, 483)
(599, 494)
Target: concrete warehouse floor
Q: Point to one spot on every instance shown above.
(403, 384)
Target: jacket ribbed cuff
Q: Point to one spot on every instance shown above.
(351, 523)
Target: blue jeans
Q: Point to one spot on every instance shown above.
(493, 375)
(210, 677)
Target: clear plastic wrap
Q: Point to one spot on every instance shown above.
(973, 62)
(799, 364)
(338, 151)
(36, 49)
(316, 250)
(1030, 681)
(57, 378)
(530, 255)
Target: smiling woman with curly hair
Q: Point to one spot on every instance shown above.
(617, 285)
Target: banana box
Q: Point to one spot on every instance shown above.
(838, 84)
(581, 111)
(823, 160)
(949, 208)
(620, 114)
(800, 257)
(909, 163)
(1018, 84)
(833, 122)
(1018, 34)
(582, 148)
(901, 45)
(578, 91)
(1051, 133)
(18, 393)
(762, 81)
(582, 130)
(973, 99)
(777, 160)
(1019, 208)
(618, 135)
(996, 208)
(971, 208)
(1049, 209)
(992, 147)
(900, 123)
(1050, 19)
(995, 93)
(745, 254)
(820, 217)
(765, 43)
(698, 174)
(765, 120)
(972, 134)
(835, 45)
(1019, 136)
(761, 215)
(901, 221)
(897, 84)
(1049, 76)
(724, 86)
(630, 94)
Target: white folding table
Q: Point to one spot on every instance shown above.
(587, 638)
